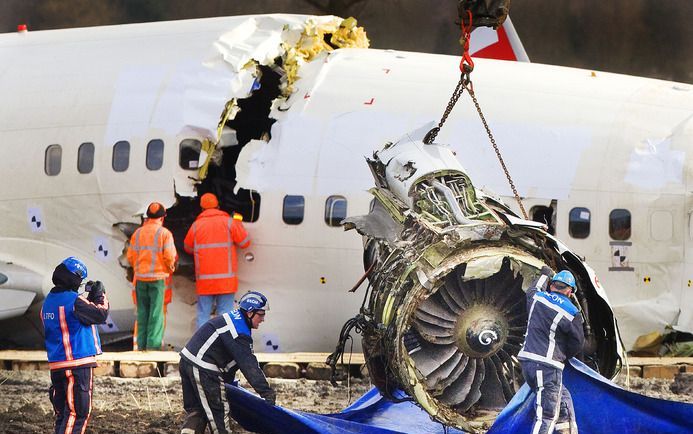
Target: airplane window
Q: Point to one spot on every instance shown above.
(189, 154)
(294, 207)
(85, 158)
(155, 154)
(121, 156)
(579, 222)
(335, 210)
(619, 224)
(54, 156)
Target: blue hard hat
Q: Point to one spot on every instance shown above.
(252, 301)
(564, 276)
(76, 267)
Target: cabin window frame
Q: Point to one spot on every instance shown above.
(85, 165)
(576, 217)
(120, 160)
(154, 158)
(613, 227)
(293, 218)
(330, 203)
(189, 144)
(53, 160)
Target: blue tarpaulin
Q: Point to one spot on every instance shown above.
(370, 414)
(600, 406)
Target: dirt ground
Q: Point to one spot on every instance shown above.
(154, 405)
(148, 405)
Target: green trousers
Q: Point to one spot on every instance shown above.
(150, 314)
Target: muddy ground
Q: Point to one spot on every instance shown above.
(154, 405)
(146, 406)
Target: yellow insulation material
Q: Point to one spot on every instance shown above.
(209, 146)
(340, 34)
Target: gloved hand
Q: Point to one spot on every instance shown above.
(95, 291)
(546, 271)
(270, 397)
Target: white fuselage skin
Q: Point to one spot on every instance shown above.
(594, 140)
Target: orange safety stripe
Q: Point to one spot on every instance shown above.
(91, 388)
(70, 402)
(66, 334)
(71, 363)
(134, 337)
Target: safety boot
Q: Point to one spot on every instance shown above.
(195, 423)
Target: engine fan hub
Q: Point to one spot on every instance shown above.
(481, 331)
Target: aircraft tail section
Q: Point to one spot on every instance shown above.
(502, 43)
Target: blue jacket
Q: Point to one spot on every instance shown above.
(223, 345)
(554, 327)
(71, 337)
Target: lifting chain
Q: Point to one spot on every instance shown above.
(470, 90)
(465, 82)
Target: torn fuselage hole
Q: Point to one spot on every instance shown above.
(251, 122)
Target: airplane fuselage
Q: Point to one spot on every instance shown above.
(591, 150)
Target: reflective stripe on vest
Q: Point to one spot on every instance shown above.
(198, 358)
(229, 247)
(154, 250)
(245, 240)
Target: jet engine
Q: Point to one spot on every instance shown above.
(444, 314)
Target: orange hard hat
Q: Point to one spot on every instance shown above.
(156, 210)
(209, 200)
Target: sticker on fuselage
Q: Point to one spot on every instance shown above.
(35, 219)
(102, 249)
(271, 343)
(619, 256)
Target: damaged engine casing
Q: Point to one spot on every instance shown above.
(445, 314)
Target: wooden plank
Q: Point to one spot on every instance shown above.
(24, 356)
(661, 361)
(356, 358)
(173, 357)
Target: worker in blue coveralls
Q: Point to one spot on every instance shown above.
(554, 335)
(72, 343)
(217, 350)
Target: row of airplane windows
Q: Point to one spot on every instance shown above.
(293, 208)
(579, 220)
(120, 157)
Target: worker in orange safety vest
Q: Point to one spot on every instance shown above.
(212, 240)
(152, 255)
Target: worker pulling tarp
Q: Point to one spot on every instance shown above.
(600, 406)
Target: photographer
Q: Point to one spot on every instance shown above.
(72, 343)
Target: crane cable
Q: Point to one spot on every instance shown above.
(465, 82)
